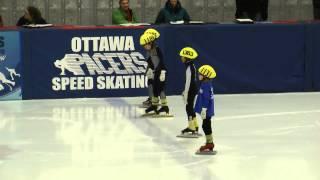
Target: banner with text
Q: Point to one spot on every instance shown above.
(10, 66)
(95, 63)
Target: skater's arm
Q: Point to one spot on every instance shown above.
(207, 96)
(160, 55)
(188, 81)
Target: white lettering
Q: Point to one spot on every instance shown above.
(86, 44)
(3, 57)
(102, 44)
(76, 44)
(140, 81)
(56, 84)
(121, 82)
(129, 45)
(72, 83)
(109, 82)
(116, 43)
(101, 82)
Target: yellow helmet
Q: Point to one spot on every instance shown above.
(207, 71)
(153, 32)
(189, 53)
(146, 39)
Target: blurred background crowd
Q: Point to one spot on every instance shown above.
(100, 12)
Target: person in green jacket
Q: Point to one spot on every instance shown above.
(173, 11)
(123, 14)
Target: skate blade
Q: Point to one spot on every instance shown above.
(162, 116)
(188, 136)
(145, 106)
(214, 152)
(148, 114)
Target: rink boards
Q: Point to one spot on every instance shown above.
(78, 62)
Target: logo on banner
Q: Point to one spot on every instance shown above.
(2, 50)
(109, 62)
(7, 75)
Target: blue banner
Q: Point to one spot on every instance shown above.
(72, 63)
(10, 66)
(313, 56)
(260, 58)
(84, 63)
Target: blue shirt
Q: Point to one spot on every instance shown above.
(205, 99)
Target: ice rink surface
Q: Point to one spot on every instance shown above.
(257, 136)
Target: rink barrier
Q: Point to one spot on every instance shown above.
(10, 65)
(109, 62)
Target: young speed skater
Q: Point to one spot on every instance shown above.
(205, 106)
(147, 40)
(188, 56)
(149, 71)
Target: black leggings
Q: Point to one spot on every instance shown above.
(189, 106)
(158, 86)
(206, 126)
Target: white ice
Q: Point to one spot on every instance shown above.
(257, 136)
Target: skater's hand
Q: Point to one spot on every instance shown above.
(204, 113)
(162, 76)
(149, 73)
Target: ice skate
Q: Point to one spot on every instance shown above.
(151, 110)
(163, 112)
(147, 103)
(188, 133)
(207, 149)
(164, 109)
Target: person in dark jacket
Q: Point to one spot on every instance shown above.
(1, 22)
(173, 11)
(256, 10)
(156, 64)
(316, 9)
(188, 56)
(32, 15)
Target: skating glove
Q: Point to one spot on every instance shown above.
(162, 76)
(149, 73)
(204, 113)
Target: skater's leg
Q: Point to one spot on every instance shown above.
(164, 103)
(206, 126)
(208, 147)
(191, 115)
(156, 94)
(196, 124)
(190, 109)
(150, 88)
(147, 103)
(153, 106)
(162, 94)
